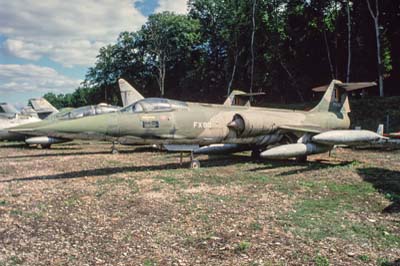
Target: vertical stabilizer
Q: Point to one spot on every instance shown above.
(42, 107)
(336, 99)
(128, 93)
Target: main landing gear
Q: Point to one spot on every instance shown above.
(194, 164)
(114, 149)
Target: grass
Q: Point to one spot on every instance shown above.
(149, 262)
(242, 247)
(320, 260)
(325, 213)
(12, 261)
(110, 183)
(229, 212)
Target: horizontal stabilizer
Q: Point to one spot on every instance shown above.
(240, 98)
(347, 86)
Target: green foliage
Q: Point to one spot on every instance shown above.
(298, 44)
(321, 260)
(364, 258)
(242, 247)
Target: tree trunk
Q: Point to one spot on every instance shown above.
(163, 78)
(375, 17)
(292, 81)
(233, 73)
(252, 47)
(329, 55)
(348, 41)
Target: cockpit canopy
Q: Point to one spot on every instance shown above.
(89, 111)
(154, 105)
(8, 108)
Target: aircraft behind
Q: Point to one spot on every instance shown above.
(45, 109)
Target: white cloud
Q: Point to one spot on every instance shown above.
(32, 78)
(68, 32)
(177, 6)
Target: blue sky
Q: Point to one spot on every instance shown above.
(47, 46)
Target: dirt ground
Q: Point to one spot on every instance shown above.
(77, 204)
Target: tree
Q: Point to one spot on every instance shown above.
(348, 6)
(166, 38)
(253, 19)
(375, 17)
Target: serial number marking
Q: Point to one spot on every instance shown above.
(201, 125)
(150, 124)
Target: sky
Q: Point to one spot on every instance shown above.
(48, 45)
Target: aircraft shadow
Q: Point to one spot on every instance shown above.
(13, 146)
(55, 154)
(113, 170)
(309, 166)
(386, 182)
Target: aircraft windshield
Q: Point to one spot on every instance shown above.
(154, 105)
(89, 111)
(8, 108)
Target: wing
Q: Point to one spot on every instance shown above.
(303, 129)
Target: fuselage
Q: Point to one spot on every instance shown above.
(16, 120)
(190, 123)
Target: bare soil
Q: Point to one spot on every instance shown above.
(77, 204)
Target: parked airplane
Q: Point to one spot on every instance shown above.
(128, 93)
(293, 134)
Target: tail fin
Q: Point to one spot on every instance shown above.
(240, 98)
(380, 130)
(336, 99)
(42, 107)
(128, 93)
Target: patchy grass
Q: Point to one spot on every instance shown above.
(99, 208)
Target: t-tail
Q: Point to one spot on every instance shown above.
(240, 98)
(128, 93)
(42, 107)
(336, 98)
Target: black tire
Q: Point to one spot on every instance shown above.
(45, 146)
(195, 164)
(301, 159)
(256, 154)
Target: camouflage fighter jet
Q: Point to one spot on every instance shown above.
(290, 133)
(41, 106)
(10, 117)
(128, 93)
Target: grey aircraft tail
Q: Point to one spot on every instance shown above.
(42, 107)
(128, 93)
(336, 98)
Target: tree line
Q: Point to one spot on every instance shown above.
(281, 47)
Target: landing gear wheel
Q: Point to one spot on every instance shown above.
(114, 148)
(301, 159)
(195, 164)
(256, 154)
(45, 146)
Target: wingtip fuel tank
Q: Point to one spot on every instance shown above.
(346, 137)
(294, 150)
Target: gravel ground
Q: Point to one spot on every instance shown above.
(77, 204)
